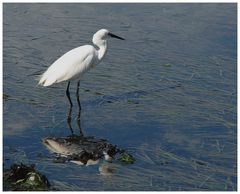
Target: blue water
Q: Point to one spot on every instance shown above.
(167, 94)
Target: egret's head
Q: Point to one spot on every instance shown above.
(101, 34)
(104, 34)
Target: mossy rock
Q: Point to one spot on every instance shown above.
(24, 178)
(126, 158)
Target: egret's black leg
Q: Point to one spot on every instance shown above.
(68, 95)
(77, 95)
(69, 117)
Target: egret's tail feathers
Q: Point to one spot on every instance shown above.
(44, 81)
(41, 81)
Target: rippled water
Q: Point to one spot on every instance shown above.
(167, 93)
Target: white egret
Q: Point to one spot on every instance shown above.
(73, 64)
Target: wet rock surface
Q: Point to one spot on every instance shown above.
(85, 150)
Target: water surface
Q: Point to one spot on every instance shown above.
(167, 93)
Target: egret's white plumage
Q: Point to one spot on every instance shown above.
(70, 66)
(73, 64)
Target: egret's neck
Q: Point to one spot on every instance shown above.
(102, 50)
(102, 45)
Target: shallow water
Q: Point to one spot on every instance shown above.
(167, 93)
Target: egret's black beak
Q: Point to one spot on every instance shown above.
(115, 36)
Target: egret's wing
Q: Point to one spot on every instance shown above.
(69, 66)
(78, 68)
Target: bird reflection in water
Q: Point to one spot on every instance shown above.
(69, 121)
